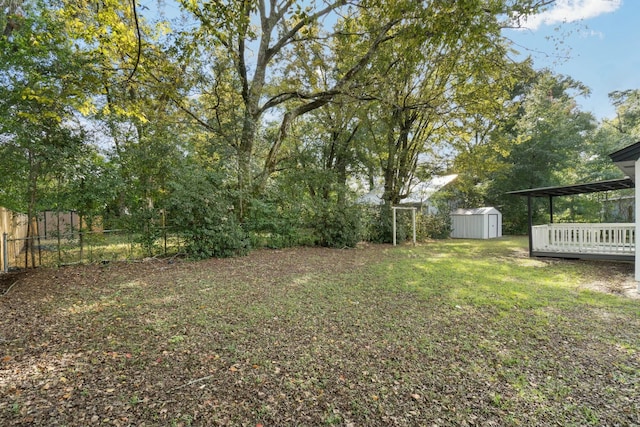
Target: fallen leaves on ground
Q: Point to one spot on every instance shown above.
(304, 336)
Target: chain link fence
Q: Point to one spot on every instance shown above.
(57, 249)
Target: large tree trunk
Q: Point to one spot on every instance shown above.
(245, 155)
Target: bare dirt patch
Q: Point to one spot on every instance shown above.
(616, 278)
(8, 280)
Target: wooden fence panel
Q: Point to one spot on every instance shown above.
(49, 226)
(51, 223)
(15, 225)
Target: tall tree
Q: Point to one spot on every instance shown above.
(260, 37)
(251, 34)
(137, 81)
(45, 80)
(482, 137)
(548, 139)
(456, 78)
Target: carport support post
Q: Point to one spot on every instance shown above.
(637, 215)
(530, 226)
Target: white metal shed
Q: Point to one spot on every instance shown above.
(479, 223)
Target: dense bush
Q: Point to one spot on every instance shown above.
(379, 225)
(202, 212)
(273, 223)
(146, 225)
(337, 225)
(433, 226)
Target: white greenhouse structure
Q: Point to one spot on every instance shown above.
(479, 223)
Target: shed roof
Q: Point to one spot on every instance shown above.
(419, 193)
(424, 190)
(477, 211)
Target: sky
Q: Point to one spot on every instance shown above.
(596, 42)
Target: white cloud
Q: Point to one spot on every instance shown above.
(570, 11)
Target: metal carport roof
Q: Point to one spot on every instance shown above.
(569, 190)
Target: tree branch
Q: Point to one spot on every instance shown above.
(293, 31)
(242, 65)
(324, 98)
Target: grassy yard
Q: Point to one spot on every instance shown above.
(452, 332)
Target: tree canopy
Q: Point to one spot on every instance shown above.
(240, 121)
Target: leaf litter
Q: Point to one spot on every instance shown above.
(304, 336)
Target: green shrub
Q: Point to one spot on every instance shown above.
(379, 224)
(145, 224)
(436, 226)
(273, 223)
(202, 213)
(337, 225)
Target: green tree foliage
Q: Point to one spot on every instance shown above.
(200, 209)
(255, 120)
(139, 78)
(541, 138)
(547, 141)
(612, 135)
(44, 85)
(627, 121)
(483, 136)
(250, 36)
(278, 65)
(308, 201)
(451, 88)
(86, 185)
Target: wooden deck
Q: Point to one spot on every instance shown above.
(594, 241)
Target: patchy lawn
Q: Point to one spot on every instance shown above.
(445, 333)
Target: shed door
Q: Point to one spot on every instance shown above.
(493, 226)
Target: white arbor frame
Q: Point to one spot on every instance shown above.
(413, 221)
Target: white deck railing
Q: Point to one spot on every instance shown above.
(619, 239)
